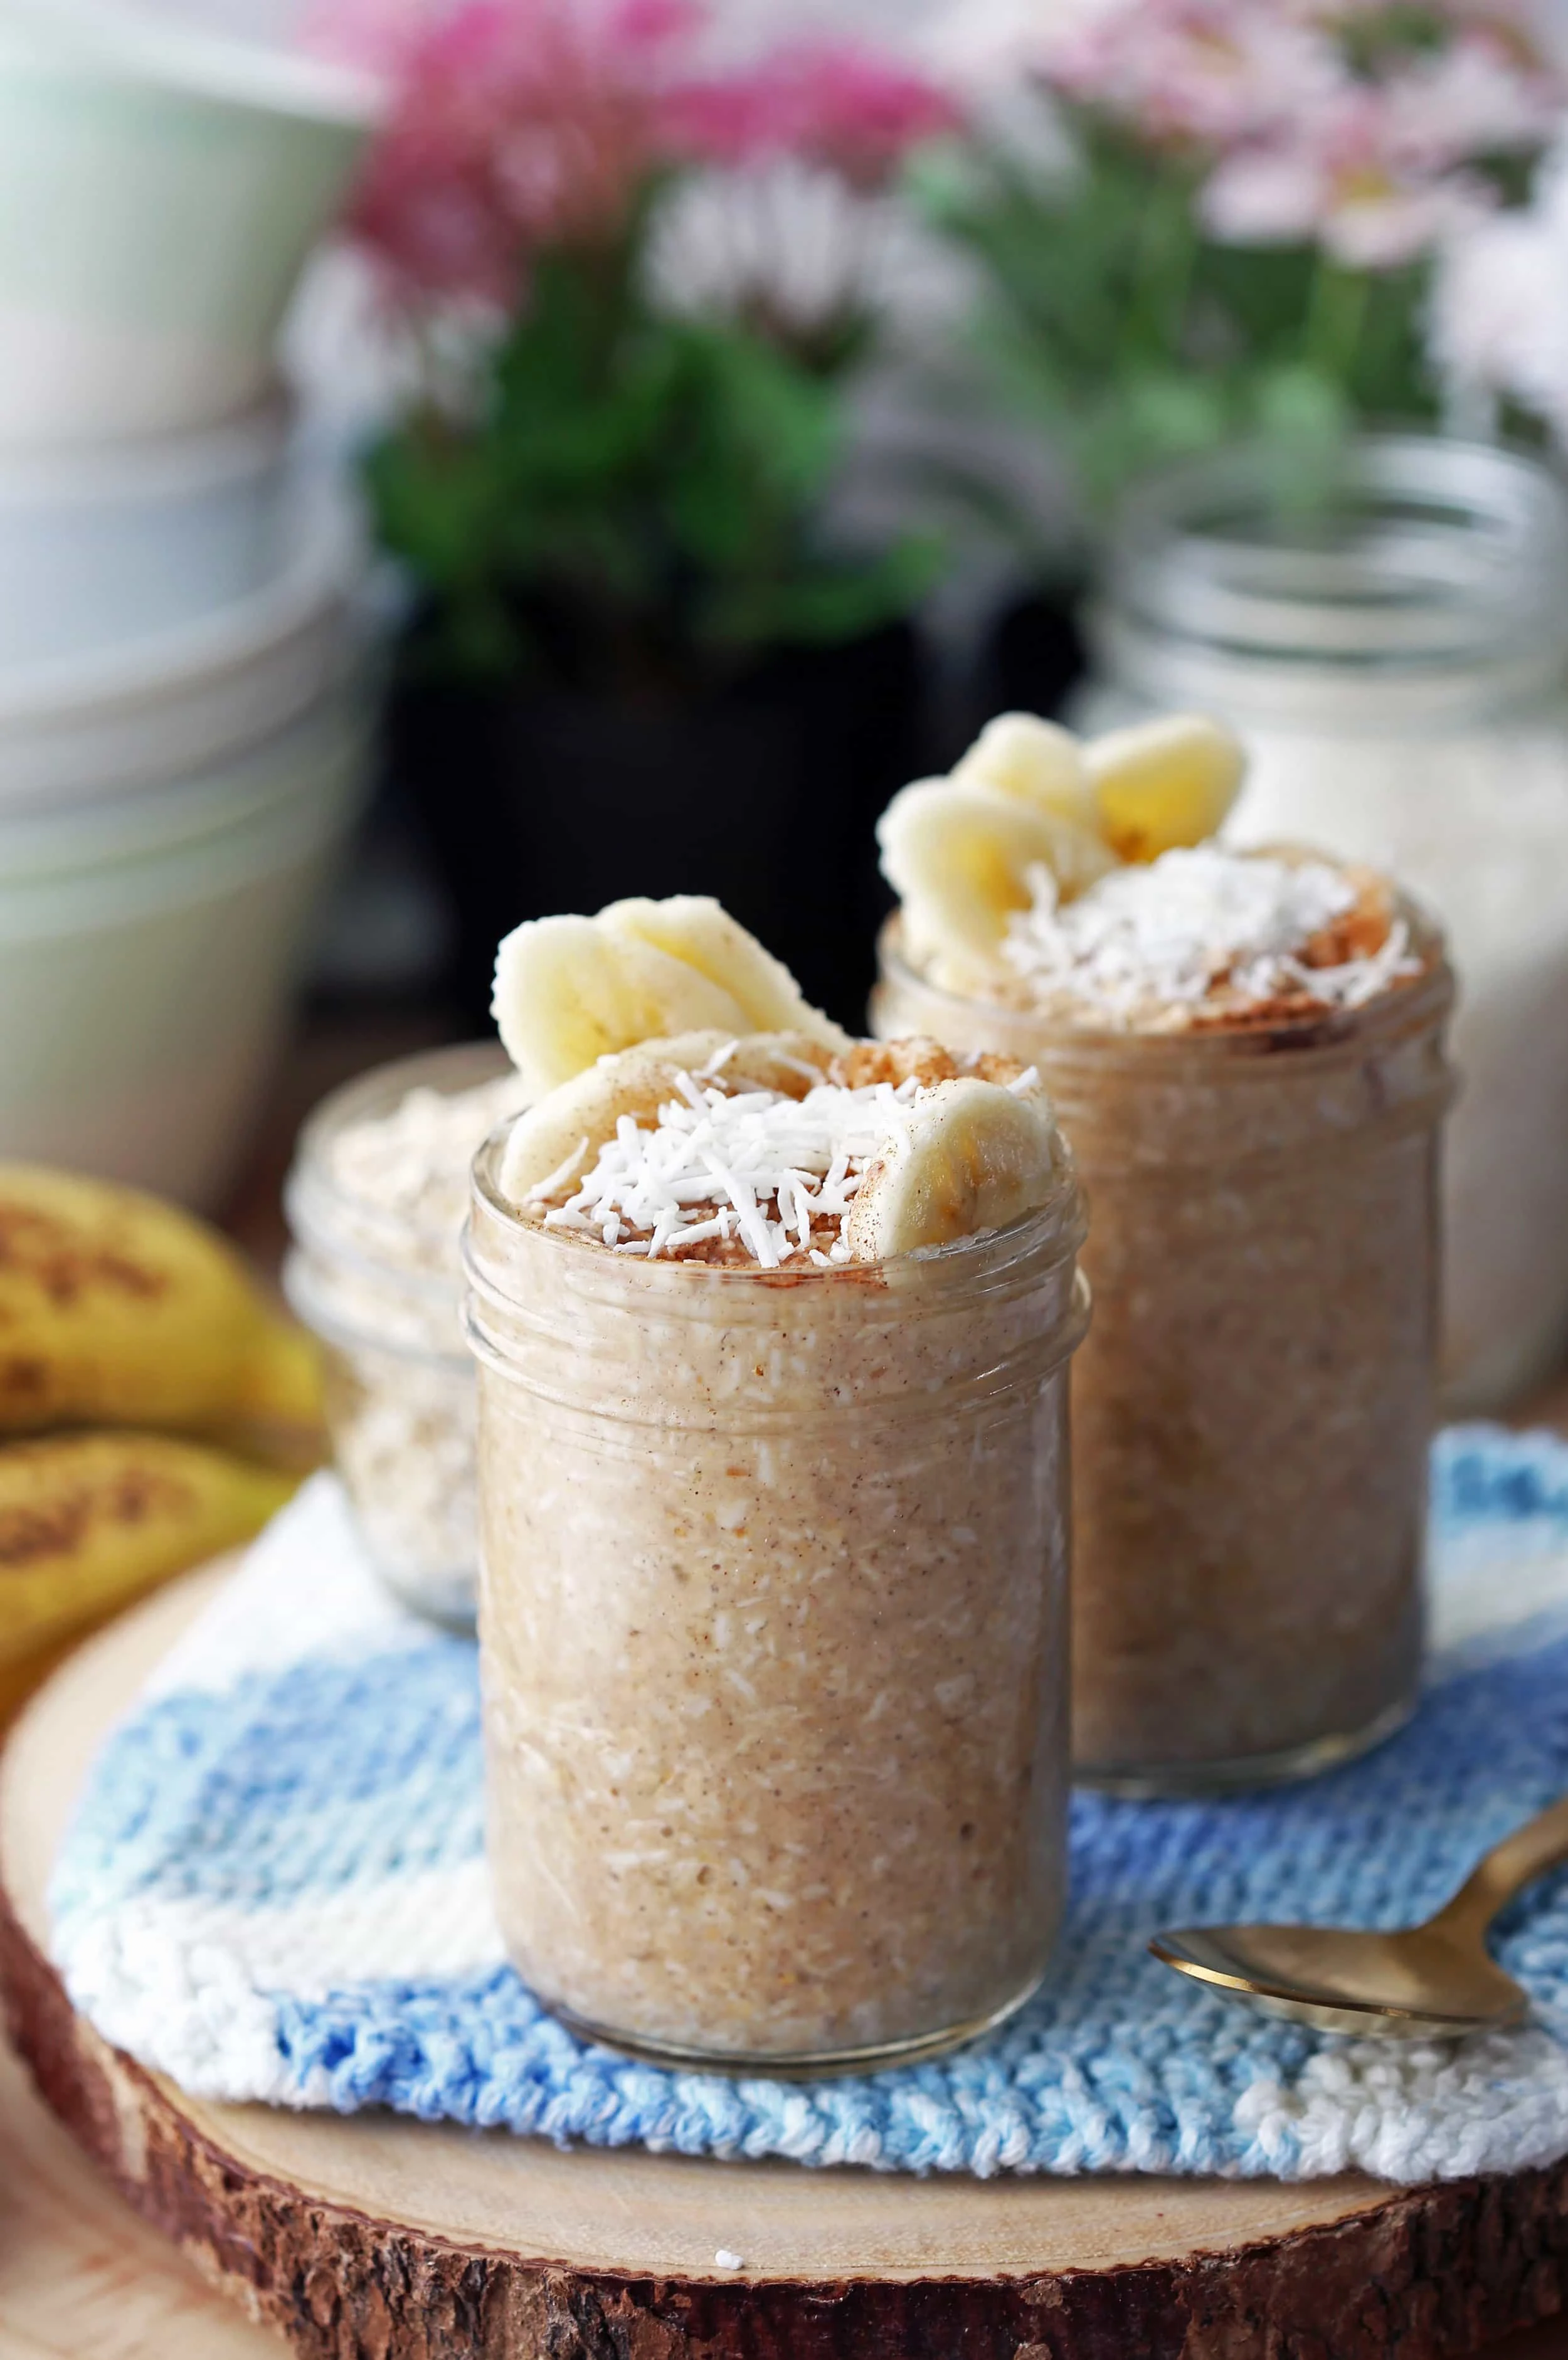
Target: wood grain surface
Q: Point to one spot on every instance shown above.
(375, 2235)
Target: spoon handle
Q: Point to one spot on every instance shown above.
(1540, 1844)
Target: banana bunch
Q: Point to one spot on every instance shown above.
(125, 1324)
(89, 1521)
(961, 852)
(571, 991)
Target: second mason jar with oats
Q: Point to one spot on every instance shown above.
(1253, 1408)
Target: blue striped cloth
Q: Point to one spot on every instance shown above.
(274, 1889)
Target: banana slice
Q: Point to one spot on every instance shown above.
(561, 1136)
(569, 993)
(975, 1156)
(701, 932)
(559, 1139)
(1019, 754)
(1164, 783)
(959, 857)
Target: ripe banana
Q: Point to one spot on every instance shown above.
(1027, 796)
(1164, 783)
(975, 1156)
(88, 1520)
(570, 990)
(279, 1416)
(117, 1309)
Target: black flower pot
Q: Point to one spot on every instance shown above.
(763, 792)
(1033, 657)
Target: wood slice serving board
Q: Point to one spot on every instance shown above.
(376, 2238)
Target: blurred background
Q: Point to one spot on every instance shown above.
(468, 460)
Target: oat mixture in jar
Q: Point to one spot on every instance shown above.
(1246, 1051)
(772, 1344)
(376, 1201)
(1394, 652)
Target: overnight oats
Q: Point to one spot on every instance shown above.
(773, 1342)
(1246, 1051)
(376, 1201)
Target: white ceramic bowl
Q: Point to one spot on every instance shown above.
(148, 947)
(159, 190)
(104, 547)
(83, 728)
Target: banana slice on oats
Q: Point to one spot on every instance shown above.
(1164, 783)
(1040, 763)
(959, 858)
(975, 1156)
(569, 993)
(701, 934)
(554, 1143)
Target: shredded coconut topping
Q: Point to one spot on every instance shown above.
(776, 1175)
(1202, 926)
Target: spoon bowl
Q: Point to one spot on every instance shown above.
(1421, 1982)
(1414, 1985)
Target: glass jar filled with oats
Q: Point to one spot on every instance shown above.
(1247, 1053)
(376, 1201)
(772, 1351)
(1390, 641)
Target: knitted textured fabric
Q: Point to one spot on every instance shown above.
(274, 1888)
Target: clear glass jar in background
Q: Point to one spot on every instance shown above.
(1391, 644)
(381, 1285)
(773, 1635)
(1253, 1406)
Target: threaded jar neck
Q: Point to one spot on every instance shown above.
(1407, 570)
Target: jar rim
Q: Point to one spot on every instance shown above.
(1421, 551)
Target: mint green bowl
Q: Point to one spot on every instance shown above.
(159, 192)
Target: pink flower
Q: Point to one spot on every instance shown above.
(1210, 73)
(838, 103)
(520, 123)
(1342, 177)
(1324, 120)
(524, 124)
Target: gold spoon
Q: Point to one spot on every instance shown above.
(1427, 1980)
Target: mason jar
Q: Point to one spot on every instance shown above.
(1252, 1406)
(1389, 642)
(374, 1270)
(773, 1635)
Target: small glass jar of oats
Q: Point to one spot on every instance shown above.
(376, 1200)
(773, 1348)
(1246, 1051)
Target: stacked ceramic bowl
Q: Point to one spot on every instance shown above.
(181, 687)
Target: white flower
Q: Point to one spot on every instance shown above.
(788, 239)
(1264, 196)
(1379, 230)
(1500, 315)
(1464, 103)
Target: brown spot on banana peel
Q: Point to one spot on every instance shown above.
(66, 1265)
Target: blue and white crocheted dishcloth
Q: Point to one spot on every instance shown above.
(275, 1888)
